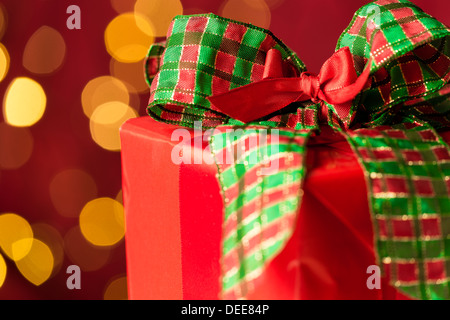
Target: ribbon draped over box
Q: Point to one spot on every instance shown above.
(386, 90)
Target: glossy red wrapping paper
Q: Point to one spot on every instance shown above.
(174, 218)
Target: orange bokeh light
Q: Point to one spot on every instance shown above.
(82, 253)
(70, 190)
(256, 12)
(45, 51)
(16, 146)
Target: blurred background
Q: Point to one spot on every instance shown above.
(69, 79)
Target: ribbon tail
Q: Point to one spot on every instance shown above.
(241, 272)
(411, 265)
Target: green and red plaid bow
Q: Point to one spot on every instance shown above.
(207, 72)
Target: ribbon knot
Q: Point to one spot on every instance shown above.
(310, 85)
(337, 84)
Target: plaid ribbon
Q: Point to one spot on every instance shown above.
(392, 127)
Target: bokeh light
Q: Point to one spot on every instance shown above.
(102, 222)
(159, 12)
(130, 73)
(3, 270)
(70, 190)
(119, 196)
(256, 12)
(45, 51)
(4, 61)
(128, 37)
(106, 121)
(24, 103)
(16, 145)
(116, 289)
(101, 90)
(84, 254)
(121, 6)
(273, 4)
(3, 20)
(53, 239)
(193, 10)
(16, 236)
(37, 265)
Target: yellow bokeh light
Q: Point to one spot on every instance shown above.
(130, 73)
(82, 253)
(102, 222)
(52, 238)
(3, 270)
(16, 236)
(37, 265)
(101, 90)
(16, 146)
(45, 51)
(256, 12)
(4, 62)
(24, 103)
(70, 190)
(106, 121)
(159, 12)
(117, 289)
(128, 37)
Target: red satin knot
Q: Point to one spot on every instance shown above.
(337, 84)
(310, 85)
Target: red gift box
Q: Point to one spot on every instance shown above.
(174, 222)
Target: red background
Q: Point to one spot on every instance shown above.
(62, 138)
